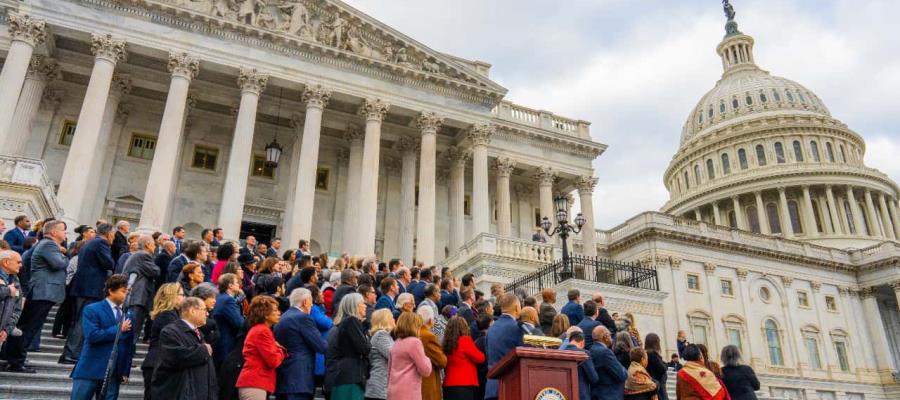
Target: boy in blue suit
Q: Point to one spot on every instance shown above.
(100, 324)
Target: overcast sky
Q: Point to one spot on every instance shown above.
(636, 68)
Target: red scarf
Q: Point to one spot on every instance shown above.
(702, 381)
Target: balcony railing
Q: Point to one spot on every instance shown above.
(589, 269)
(509, 111)
(29, 172)
(520, 251)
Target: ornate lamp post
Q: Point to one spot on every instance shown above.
(563, 228)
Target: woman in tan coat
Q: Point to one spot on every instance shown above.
(431, 385)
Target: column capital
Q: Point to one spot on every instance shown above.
(896, 285)
(406, 145)
(815, 285)
(867, 292)
(585, 184)
(316, 96)
(736, 198)
(804, 187)
(353, 133)
(43, 68)
(709, 267)
(757, 193)
(183, 65)
(120, 86)
(787, 281)
(429, 122)
(457, 156)
(480, 134)
(504, 166)
(251, 80)
(867, 191)
(524, 189)
(343, 155)
(742, 273)
(104, 46)
(844, 291)
(122, 113)
(374, 109)
(26, 29)
(781, 190)
(392, 165)
(545, 176)
(52, 99)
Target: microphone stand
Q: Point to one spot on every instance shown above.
(110, 365)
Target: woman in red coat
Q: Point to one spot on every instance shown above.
(262, 354)
(461, 380)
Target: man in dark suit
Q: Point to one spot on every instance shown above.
(348, 285)
(141, 263)
(424, 280)
(449, 294)
(46, 287)
(95, 263)
(275, 248)
(604, 316)
(298, 334)
(180, 259)
(589, 322)
(16, 236)
(162, 260)
(467, 296)
(206, 235)
(403, 279)
(120, 242)
(218, 237)
(11, 294)
(250, 246)
(185, 369)
(587, 375)
(100, 322)
(573, 308)
(611, 374)
(178, 238)
(389, 290)
(547, 312)
(503, 336)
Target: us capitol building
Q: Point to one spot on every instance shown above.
(309, 119)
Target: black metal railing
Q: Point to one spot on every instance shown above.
(592, 269)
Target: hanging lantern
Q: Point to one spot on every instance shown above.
(273, 153)
(562, 207)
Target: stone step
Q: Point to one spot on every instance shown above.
(50, 342)
(55, 391)
(47, 369)
(54, 357)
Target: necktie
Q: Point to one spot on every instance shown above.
(118, 313)
(199, 336)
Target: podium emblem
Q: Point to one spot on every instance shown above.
(550, 394)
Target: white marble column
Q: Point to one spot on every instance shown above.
(40, 71)
(833, 211)
(503, 168)
(296, 123)
(25, 33)
(886, 218)
(894, 217)
(374, 110)
(764, 227)
(121, 86)
(787, 229)
(739, 213)
(231, 212)
(811, 229)
(43, 124)
(109, 161)
(340, 199)
(480, 136)
(717, 219)
(72, 193)
(877, 340)
(458, 158)
(585, 185)
(546, 176)
(354, 135)
(166, 161)
(855, 211)
(824, 215)
(407, 147)
(874, 230)
(429, 123)
(896, 286)
(302, 207)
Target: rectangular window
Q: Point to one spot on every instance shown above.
(812, 348)
(142, 146)
(322, 178)
(802, 298)
(537, 217)
(693, 282)
(841, 349)
(67, 133)
(260, 168)
(727, 288)
(699, 332)
(467, 205)
(205, 157)
(734, 337)
(830, 303)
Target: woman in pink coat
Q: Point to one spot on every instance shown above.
(408, 363)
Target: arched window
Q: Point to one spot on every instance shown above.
(829, 152)
(722, 106)
(726, 166)
(802, 99)
(734, 103)
(775, 95)
(697, 174)
(700, 116)
(849, 214)
(794, 212)
(762, 97)
(687, 181)
(843, 155)
(811, 342)
(760, 155)
(753, 219)
(817, 216)
(749, 100)
(742, 158)
(773, 340)
(779, 152)
(839, 339)
(732, 220)
(788, 94)
(710, 169)
(814, 149)
(774, 221)
(798, 151)
(710, 112)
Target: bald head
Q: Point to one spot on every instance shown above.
(509, 304)
(602, 335)
(169, 247)
(146, 243)
(10, 261)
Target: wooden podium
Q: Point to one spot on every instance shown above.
(527, 372)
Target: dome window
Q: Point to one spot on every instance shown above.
(779, 152)
(814, 149)
(829, 151)
(798, 151)
(760, 155)
(710, 114)
(774, 221)
(851, 225)
(794, 213)
(687, 181)
(762, 97)
(843, 155)
(742, 158)
(697, 174)
(749, 100)
(753, 219)
(775, 95)
(726, 165)
(710, 169)
(802, 99)
(722, 106)
(734, 103)
(700, 117)
(789, 96)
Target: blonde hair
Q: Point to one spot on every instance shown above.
(382, 320)
(166, 298)
(408, 325)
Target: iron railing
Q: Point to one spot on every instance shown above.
(590, 269)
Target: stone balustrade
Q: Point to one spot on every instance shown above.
(509, 250)
(24, 176)
(508, 111)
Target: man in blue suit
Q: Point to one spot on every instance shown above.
(573, 309)
(298, 334)
(611, 374)
(95, 264)
(587, 375)
(424, 280)
(100, 322)
(16, 236)
(389, 290)
(503, 336)
(589, 322)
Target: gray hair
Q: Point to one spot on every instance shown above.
(190, 303)
(335, 277)
(347, 276)
(205, 290)
(51, 225)
(122, 223)
(143, 241)
(369, 261)
(731, 356)
(7, 254)
(426, 313)
(348, 308)
(622, 342)
(299, 295)
(404, 298)
(102, 229)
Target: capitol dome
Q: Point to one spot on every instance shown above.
(762, 153)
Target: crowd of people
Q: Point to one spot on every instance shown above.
(230, 320)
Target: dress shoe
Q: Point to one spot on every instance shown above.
(67, 361)
(21, 370)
